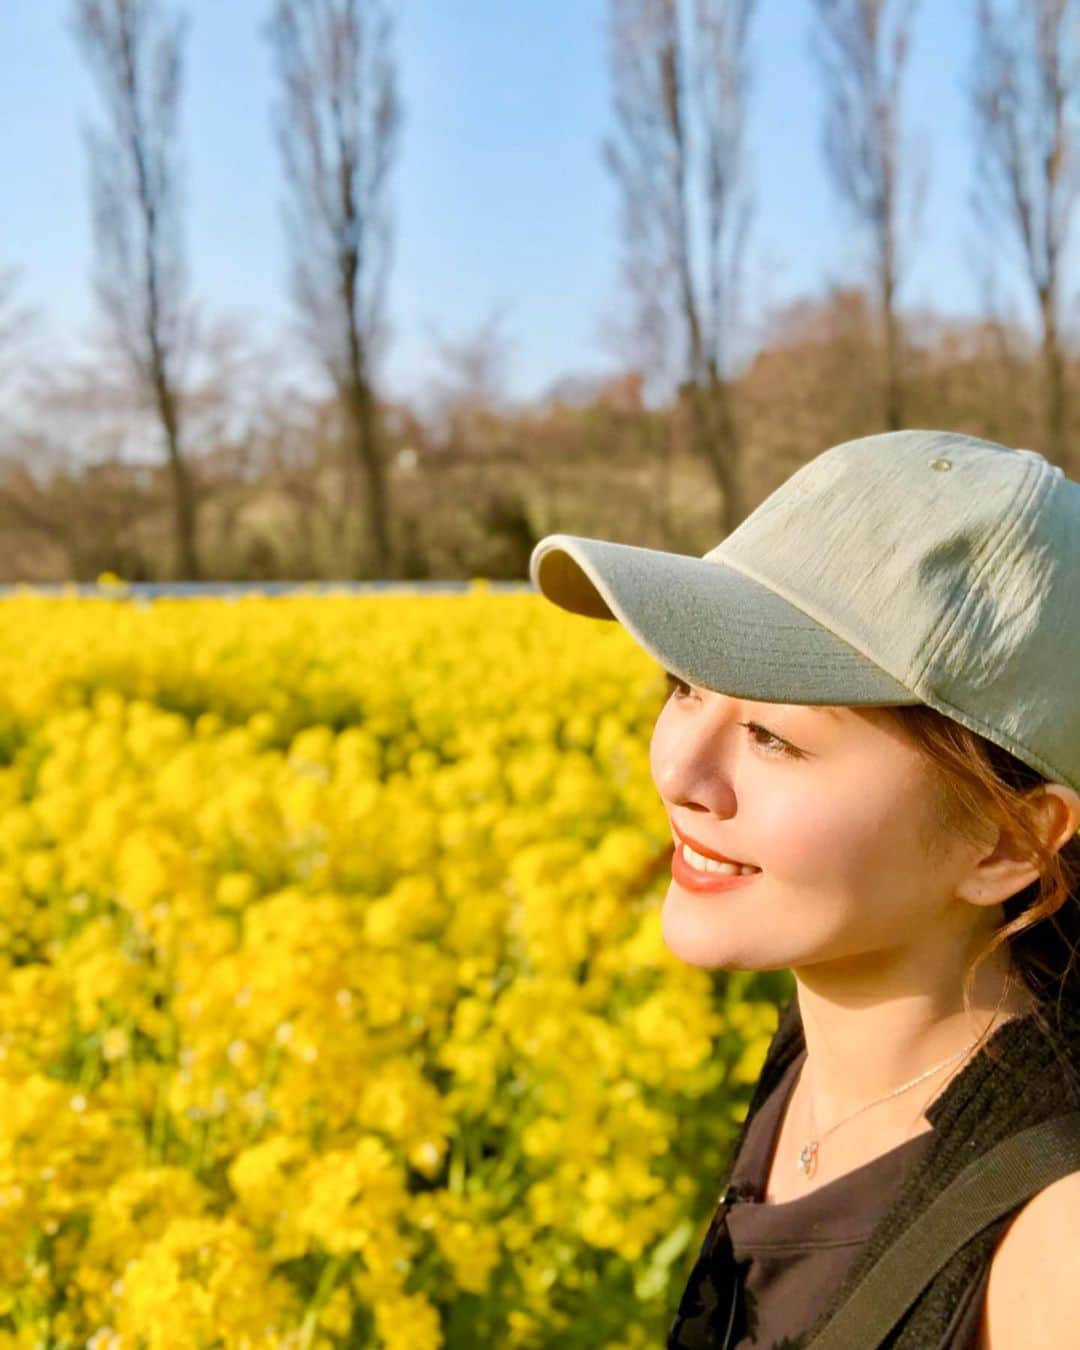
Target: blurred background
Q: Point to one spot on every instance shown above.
(335, 1009)
(317, 289)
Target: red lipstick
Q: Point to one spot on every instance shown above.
(700, 848)
(690, 879)
(693, 879)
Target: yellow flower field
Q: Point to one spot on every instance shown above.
(334, 1009)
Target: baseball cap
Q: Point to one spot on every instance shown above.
(908, 567)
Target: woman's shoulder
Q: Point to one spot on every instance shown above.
(1033, 1290)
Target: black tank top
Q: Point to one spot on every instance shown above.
(793, 1256)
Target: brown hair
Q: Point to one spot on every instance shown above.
(982, 783)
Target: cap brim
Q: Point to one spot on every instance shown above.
(710, 624)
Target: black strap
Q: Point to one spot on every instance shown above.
(1004, 1177)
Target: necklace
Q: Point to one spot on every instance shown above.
(807, 1163)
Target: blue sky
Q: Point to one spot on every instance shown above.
(500, 195)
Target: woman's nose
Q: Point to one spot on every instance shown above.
(709, 791)
(694, 762)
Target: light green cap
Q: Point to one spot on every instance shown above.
(909, 567)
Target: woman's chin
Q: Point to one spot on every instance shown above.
(697, 930)
(694, 935)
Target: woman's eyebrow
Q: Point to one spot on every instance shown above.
(806, 707)
(831, 709)
(833, 712)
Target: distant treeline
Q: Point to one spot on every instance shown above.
(475, 489)
(242, 477)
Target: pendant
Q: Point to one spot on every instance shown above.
(808, 1158)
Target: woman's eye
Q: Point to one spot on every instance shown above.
(771, 743)
(762, 737)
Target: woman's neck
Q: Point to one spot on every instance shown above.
(860, 1050)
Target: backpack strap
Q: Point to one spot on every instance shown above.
(991, 1186)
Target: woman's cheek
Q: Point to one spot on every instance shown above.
(656, 753)
(660, 749)
(809, 834)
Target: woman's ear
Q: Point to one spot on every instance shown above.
(1003, 871)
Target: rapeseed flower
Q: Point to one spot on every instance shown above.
(334, 1006)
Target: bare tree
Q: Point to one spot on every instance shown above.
(16, 321)
(1024, 95)
(685, 218)
(337, 128)
(471, 384)
(863, 50)
(133, 48)
(19, 326)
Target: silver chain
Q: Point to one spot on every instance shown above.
(808, 1157)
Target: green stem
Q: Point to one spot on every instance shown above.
(160, 1121)
(322, 1292)
(160, 1124)
(456, 1177)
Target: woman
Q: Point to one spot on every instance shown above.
(870, 758)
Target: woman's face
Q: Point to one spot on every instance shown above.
(838, 810)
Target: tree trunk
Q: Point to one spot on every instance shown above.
(894, 389)
(366, 447)
(715, 440)
(187, 560)
(661, 443)
(1053, 371)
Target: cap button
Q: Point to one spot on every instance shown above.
(942, 465)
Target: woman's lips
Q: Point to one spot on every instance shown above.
(693, 879)
(681, 838)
